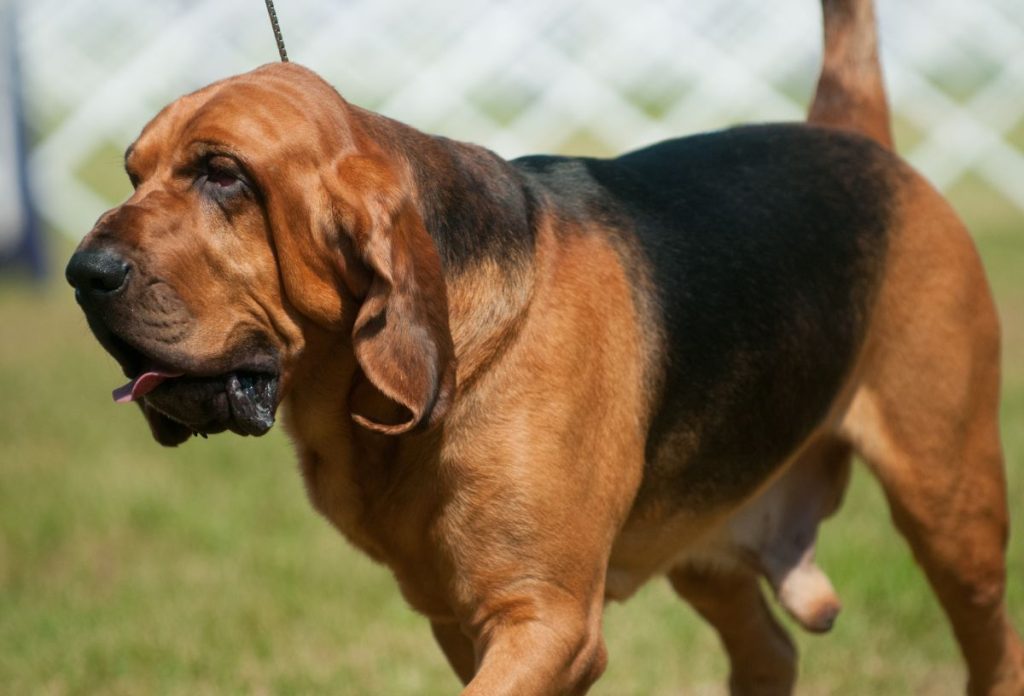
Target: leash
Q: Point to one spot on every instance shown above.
(277, 31)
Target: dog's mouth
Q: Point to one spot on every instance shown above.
(240, 400)
(239, 393)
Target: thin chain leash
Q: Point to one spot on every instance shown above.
(277, 31)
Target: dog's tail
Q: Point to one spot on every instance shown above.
(850, 93)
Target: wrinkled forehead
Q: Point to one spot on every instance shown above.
(262, 113)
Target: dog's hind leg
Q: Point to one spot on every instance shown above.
(761, 654)
(925, 419)
(926, 416)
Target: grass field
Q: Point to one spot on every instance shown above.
(126, 568)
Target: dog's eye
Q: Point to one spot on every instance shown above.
(221, 178)
(222, 173)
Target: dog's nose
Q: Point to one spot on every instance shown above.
(97, 273)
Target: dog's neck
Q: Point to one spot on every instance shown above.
(353, 474)
(475, 205)
(480, 212)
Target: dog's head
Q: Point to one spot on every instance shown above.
(266, 207)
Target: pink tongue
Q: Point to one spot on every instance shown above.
(142, 385)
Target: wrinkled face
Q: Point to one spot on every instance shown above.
(248, 225)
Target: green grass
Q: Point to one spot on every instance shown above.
(126, 568)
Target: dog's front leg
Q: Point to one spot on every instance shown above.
(457, 647)
(542, 460)
(539, 639)
(525, 541)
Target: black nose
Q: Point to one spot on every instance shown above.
(96, 272)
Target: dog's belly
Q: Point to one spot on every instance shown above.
(667, 539)
(768, 532)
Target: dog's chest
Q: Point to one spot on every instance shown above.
(376, 498)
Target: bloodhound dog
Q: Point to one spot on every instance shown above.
(529, 386)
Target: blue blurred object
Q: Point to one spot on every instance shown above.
(20, 233)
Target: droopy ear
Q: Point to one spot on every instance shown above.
(400, 337)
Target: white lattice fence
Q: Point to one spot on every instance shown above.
(527, 76)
